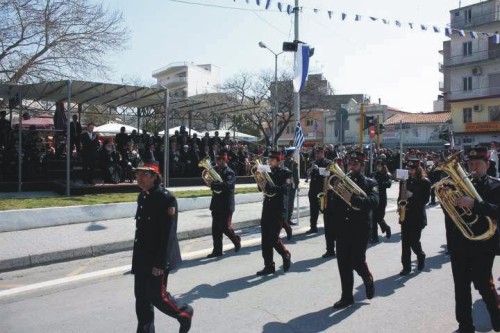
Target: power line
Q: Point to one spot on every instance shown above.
(223, 7)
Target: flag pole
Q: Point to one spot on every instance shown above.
(296, 102)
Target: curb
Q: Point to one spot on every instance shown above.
(12, 264)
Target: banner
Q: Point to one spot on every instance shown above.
(301, 67)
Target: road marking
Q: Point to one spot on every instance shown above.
(83, 267)
(75, 276)
(120, 269)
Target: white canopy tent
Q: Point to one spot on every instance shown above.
(235, 134)
(113, 128)
(171, 131)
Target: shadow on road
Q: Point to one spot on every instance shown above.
(223, 289)
(389, 285)
(481, 317)
(313, 322)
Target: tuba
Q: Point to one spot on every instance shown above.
(209, 174)
(343, 185)
(261, 176)
(471, 225)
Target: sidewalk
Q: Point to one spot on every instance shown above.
(33, 247)
(28, 248)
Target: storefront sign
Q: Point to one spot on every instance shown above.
(493, 126)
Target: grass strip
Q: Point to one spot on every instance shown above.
(95, 199)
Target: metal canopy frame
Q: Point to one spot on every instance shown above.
(151, 101)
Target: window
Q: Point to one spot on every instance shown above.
(467, 49)
(468, 140)
(468, 16)
(467, 81)
(494, 113)
(309, 122)
(467, 115)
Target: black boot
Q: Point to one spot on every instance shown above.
(421, 261)
(268, 269)
(185, 319)
(237, 244)
(328, 254)
(343, 303)
(313, 230)
(215, 254)
(288, 231)
(369, 287)
(287, 262)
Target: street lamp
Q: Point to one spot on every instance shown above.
(275, 109)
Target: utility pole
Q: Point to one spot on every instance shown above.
(296, 100)
(361, 125)
(379, 134)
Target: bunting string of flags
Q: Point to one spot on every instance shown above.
(448, 31)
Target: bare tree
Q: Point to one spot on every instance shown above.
(255, 90)
(54, 39)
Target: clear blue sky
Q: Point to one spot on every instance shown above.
(398, 65)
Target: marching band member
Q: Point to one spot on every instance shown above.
(383, 178)
(316, 187)
(416, 194)
(472, 261)
(352, 228)
(222, 207)
(274, 212)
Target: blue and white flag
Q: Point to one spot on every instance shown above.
(461, 33)
(398, 23)
(301, 67)
(289, 9)
(330, 13)
(280, 6)
(358, 18)
(344, 15)
(474, 35)
(436, 29)
(423, 27)
(268, 3)
(447, 31)
(298, 140)
(496, 39)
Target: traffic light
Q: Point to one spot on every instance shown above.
(369, 120)
(380, 128)
(445, 135)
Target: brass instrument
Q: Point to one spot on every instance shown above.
(343, 185)
(209, 174)
(403, 200)
(323, 196)
(261, 176)
(458, 185)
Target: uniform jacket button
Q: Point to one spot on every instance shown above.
(135, 240)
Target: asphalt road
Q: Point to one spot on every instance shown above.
(96, 295)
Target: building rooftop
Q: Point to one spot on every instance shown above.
(419, 118)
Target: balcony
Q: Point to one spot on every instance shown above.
(441, 86)
(174, 82)
(455, 96)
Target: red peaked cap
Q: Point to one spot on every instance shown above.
(277, 155)
(221, 157)
(149, 166)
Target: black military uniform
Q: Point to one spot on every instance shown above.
(383, 179)
(472, 261)
(274, 212)
(90, 148)
(415, 218)
(315, 187)
(222, 207)
(434, 176)
(352, 228)
(156, 246)
(293, 166)
(328, 216)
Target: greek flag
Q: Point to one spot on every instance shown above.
(301, 67)
(298, 141)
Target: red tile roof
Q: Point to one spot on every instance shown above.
(419, 118)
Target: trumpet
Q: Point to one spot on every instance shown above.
(209, 174)
(261, 176)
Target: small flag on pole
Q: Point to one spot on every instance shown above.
(298, 140)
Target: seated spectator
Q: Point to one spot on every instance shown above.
(110, 163)
(130, 161)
